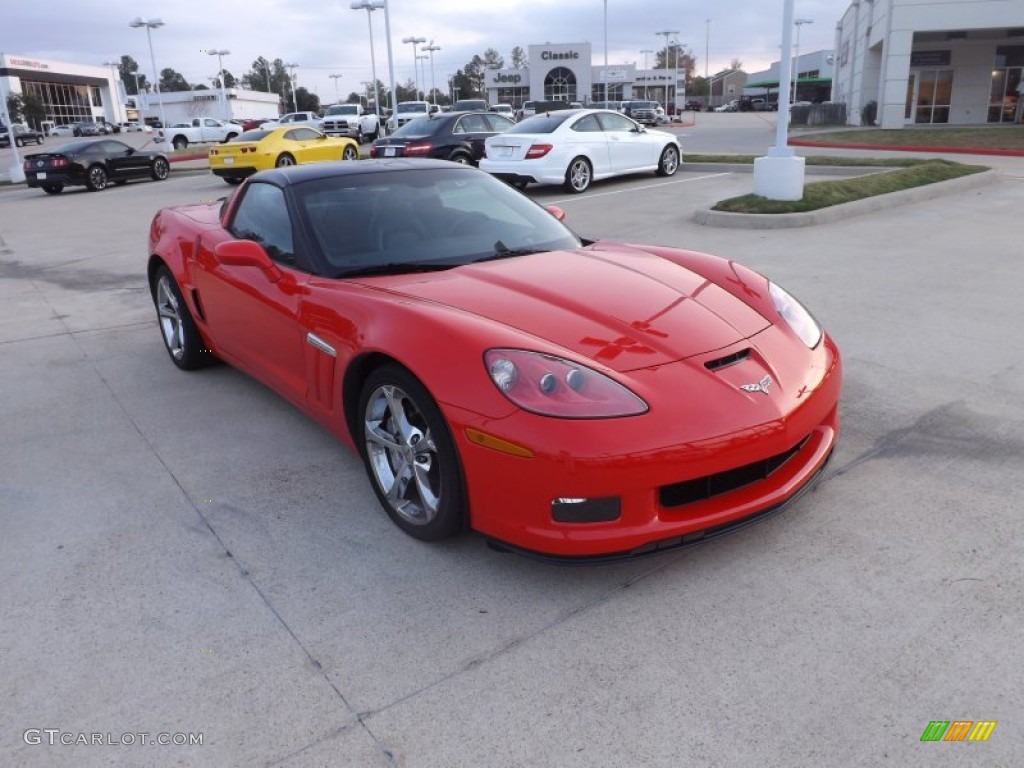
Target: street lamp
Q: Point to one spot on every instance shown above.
(151, 24)
(415, 41)
(796, 64)
(431, 48)
(291, 79)
(707, 49)
(423, 71)
(370, 7)
(667, 33)
(647, 77)
(220, 54)
(335, 77)
(605, 78)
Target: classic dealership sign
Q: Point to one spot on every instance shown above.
(550, 55)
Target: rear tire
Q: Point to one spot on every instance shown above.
(177, 328)
(284, 160)
(578, 175)
(461, 158)
(350, 153)
(53, 189)
(232, 180)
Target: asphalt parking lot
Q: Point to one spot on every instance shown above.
(187, 554)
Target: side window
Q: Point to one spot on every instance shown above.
(471, 124)
(262, 216)
(499, 123)
(292, 135)
(614, 122)
(303, 134)
(587, 124)
(210, 123)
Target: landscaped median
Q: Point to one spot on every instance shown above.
(894, 182)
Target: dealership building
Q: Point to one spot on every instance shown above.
(72, 93)
(930, 61)
(564, 72)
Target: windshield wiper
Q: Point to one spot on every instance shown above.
(502, 251)
(396, 268)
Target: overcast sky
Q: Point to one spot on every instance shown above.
(327, 36)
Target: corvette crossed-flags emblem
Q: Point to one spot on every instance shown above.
(760, 386)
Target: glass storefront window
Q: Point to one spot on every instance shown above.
(560, 85)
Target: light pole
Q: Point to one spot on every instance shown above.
(423, 73)
(370, 7)
(151, 24)
(676, 45)
(415, 41)
(337, 95)
(16, 171)
(220, 54)
(431, 48)
(707, 49)
(796, 64)
(667, 33)
(605, 78)
(291, 79)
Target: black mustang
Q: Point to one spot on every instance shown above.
(93, 164)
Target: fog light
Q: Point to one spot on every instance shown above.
(583, 510)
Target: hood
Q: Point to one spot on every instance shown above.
(623, 308)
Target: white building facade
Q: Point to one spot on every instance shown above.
(930, 61)
(69, 92)
(565, 72)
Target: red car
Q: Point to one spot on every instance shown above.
(562, 397)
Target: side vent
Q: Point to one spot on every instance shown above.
(198, 305)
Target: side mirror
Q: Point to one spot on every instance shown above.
(246, 253)
(555, 211)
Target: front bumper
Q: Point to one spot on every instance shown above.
(643, 461)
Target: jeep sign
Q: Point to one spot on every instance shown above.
(507, 79)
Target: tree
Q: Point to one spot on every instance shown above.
(128, 69)
(493, 60)
(306, 101)
(735, 65)
(518, 57)
(202, 87)
(678, 58)
(229, 81)
(170, 81)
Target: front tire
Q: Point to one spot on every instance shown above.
(161, 169)
(350, 153)
(578, 175)
(180, 142)
(410, 456)
(177, 328)
(461, 158)
(668, 163)
(284, 160)
(96, 178)
(229, 137)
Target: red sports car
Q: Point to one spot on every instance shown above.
(567, 398)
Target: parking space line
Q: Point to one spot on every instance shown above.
(582, 198)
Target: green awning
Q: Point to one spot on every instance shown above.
(775, 83)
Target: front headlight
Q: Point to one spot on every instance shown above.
(796, 316)
(552, 386)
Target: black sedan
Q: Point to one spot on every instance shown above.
(93, 164)
(456, 136)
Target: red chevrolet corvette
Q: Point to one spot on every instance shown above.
(567, 398)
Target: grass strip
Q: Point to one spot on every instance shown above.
(822, 194)
(849, 162)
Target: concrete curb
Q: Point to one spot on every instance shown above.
(825, 144)
(810, 170)
(725, 219)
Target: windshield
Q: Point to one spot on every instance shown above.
(414, 106)
(416, 219)
(544, 122)
(342, 109)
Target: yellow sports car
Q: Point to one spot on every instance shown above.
(260, 149)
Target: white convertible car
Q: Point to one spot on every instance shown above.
(574, 147)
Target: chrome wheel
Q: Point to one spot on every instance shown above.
(578, 176)
(402, 456)
(669, 162)
(97, 179)
(160, 169)
(350, 153)
(169, 312)
(285, 160)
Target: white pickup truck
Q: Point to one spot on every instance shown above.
(201, 130)
(312, 119)
(351, 120)
(410, 110)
